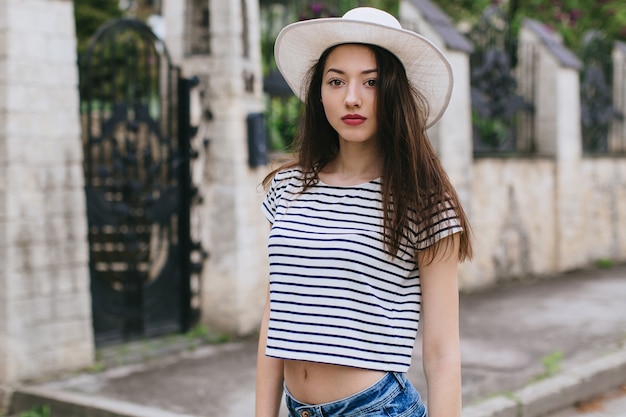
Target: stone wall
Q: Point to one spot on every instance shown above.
(517, 232)
(513, 218)
(602, 190)
(45, 310)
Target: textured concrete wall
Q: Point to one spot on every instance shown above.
(513, 219)
(516, 212)
(602, 192)
(45, 310)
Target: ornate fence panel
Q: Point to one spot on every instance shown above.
(497, 105)
(596, 92)
(134, 110)
(617, 141)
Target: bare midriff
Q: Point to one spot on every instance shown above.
(319, 383)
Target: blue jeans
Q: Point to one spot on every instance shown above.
(392, 396)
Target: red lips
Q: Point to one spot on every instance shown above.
(353, 119)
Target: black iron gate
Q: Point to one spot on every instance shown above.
(135, 119)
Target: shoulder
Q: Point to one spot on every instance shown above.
(285, 179)
(288, 175)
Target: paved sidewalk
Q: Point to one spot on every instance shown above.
(529, 348)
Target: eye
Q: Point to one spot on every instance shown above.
(371, 83)
(335, 82)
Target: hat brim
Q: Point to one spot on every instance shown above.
(299, 46)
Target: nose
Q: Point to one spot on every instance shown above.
(353, 98)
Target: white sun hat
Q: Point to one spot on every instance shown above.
(299, 46)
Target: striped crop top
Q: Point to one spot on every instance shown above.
(336, 296)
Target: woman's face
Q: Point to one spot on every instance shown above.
(349, 92)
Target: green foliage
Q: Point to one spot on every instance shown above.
(327, 8)
(570, 18)
(492, 132)
(282, 116)
(43, 411)
(466, 11)
(89, 15)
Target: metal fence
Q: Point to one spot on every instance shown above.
(596, 92)
(501, 95)
(503, 77)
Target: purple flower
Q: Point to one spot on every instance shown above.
(575, 14)
(317, 8)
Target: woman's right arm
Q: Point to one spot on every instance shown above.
(269, 374)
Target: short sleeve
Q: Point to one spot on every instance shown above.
(445, 222)
(268, 207)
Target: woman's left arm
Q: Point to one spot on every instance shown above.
(440, 328)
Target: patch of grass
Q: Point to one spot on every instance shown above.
(202, 334)
(149, 349)
(200, 331)
(605, 263)
(510, 396)
(43, 411)
(551, 365)
(96, 368)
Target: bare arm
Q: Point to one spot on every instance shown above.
(440, 321)
(269, 374)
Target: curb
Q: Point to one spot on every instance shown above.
(75, 404)
(552, 394)
(68, 404)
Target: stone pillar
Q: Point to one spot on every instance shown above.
(45, 310)
(174, 21)
(229, 223)
(558, 135)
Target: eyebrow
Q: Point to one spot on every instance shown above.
(338, 71)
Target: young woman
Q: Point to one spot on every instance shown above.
(367, 230)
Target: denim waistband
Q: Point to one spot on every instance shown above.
(372, 397)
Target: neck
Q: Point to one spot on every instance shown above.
(354, 164)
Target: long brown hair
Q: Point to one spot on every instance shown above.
(414, 182)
